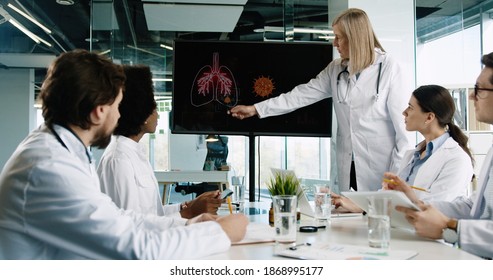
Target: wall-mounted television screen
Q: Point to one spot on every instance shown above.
(210, 77)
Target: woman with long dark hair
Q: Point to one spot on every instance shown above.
(441, 166)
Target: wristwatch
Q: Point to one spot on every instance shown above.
(449, 234)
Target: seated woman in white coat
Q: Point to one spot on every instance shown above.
(124, 171)
(441, 166)
(466, 222)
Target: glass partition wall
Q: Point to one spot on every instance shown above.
(122, 38)
(464, 29)
(460, 27)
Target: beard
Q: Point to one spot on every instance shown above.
(102, 140)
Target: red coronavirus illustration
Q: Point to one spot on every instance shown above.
(263, 86)
(214, 83)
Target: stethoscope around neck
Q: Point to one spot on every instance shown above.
(346, 72)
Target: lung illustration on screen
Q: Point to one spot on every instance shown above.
(215, 82)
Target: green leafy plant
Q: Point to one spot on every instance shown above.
(283, 184)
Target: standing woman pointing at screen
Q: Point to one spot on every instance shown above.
(369, 93)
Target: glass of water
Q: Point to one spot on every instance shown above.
(238, 183)
(379, 221)
(322, 204)
(285, 218)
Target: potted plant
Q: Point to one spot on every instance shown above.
(282, 184)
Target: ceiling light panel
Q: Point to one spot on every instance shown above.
(219, 2)
(198, 18)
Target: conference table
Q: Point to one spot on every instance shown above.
(343, 229)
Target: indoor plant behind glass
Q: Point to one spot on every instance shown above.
(282, 184)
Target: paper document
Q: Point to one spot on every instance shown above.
(257, 233)
(397, 219)
(325, 251)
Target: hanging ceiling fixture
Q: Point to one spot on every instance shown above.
(211, 138)
(18, 25)
(30, 18)
(65, 2)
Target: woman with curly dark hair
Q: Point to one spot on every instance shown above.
(124, 170)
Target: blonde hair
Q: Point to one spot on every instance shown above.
(356, 27)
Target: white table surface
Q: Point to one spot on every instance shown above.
(350, 231)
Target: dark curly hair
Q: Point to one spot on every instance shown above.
(77, 82)
(138, 100)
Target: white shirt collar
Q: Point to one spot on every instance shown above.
(73, 143)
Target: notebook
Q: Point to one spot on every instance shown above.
(257, 233)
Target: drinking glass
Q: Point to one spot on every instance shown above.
(379, 221)
(285, 218)
(323, 204)
(238, 183)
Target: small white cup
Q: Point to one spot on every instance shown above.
(379, 221)
(285, 218)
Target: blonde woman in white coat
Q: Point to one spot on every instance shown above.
(441, 165)
(369, 93)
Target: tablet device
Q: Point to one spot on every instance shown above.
(397, 219)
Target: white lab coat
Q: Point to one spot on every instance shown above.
(369, 126)
(475, 234)
(446, 174)
(127, 177)
(52, 208)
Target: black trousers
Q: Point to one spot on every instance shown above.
(352, 178)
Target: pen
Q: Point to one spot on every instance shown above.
(295, 247)
(388, 181)
(413, 187)
(420, 189)
(228, 199)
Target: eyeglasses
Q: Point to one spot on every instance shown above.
(477, 91)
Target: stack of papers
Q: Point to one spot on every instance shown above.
(325, 251)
